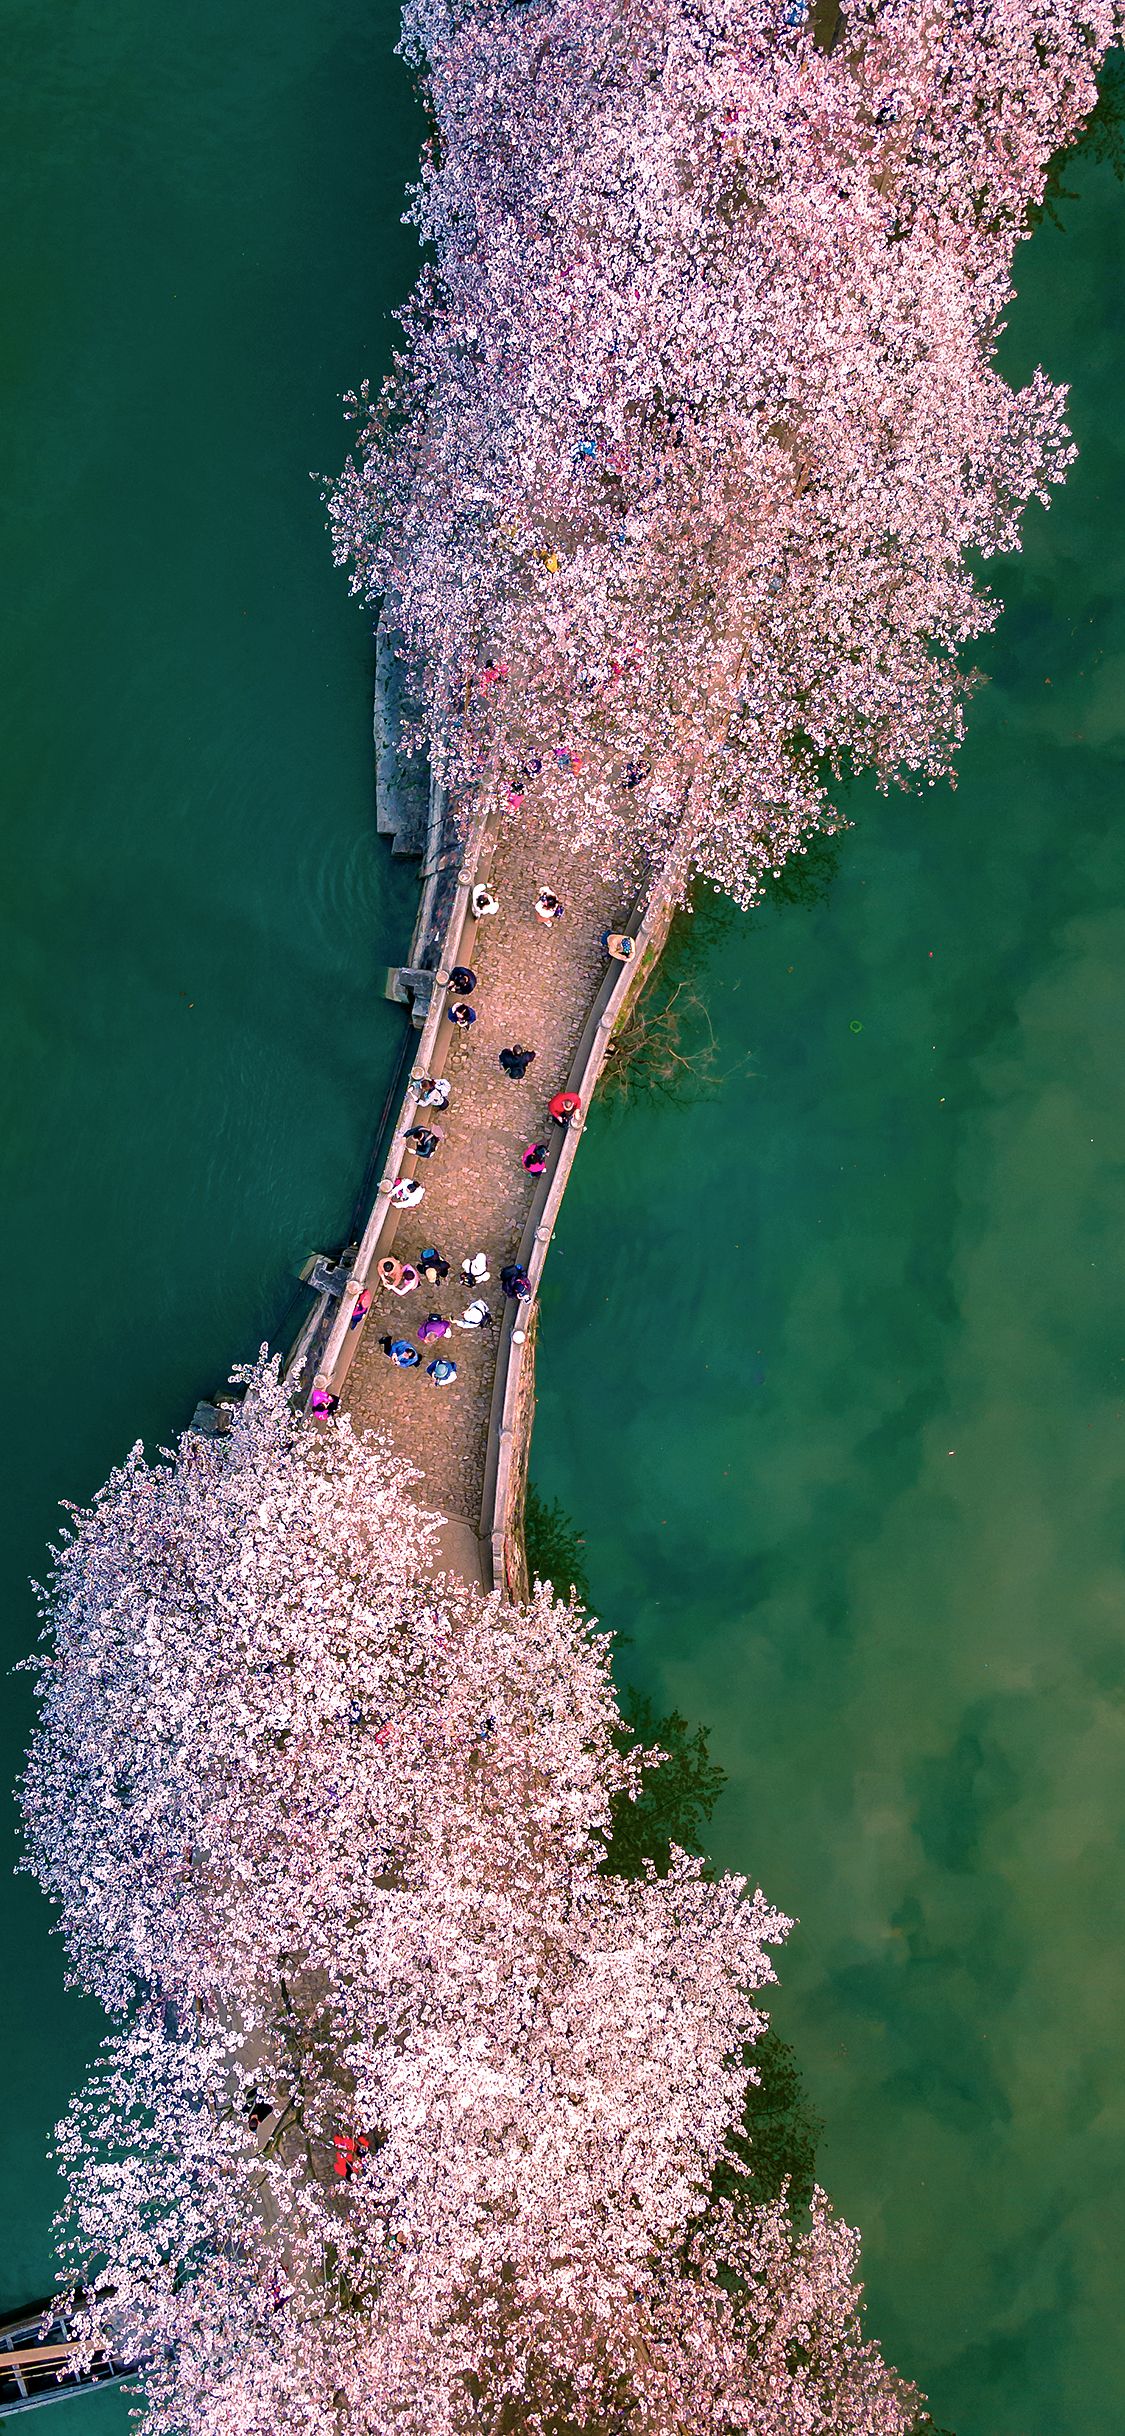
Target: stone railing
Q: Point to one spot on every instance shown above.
(334, 1354)
(327, 1344)
(513, 1400)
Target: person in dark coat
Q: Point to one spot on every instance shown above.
(516, 1060)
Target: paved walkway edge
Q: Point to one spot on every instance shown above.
(503, 1560)
(513, 1398)
(429, 1058)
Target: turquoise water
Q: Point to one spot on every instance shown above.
(858, 1492)
(202, 243)
(873, 1246)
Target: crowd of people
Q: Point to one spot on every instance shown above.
(425, 1139)
(403, 1277)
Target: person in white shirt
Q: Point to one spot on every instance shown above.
(477, 1315)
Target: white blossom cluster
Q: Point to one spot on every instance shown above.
(409, 2121)
(696, 416)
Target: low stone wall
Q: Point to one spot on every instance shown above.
(335, 1353)
(513, 1395)
(502, 1553)
(328, 1344)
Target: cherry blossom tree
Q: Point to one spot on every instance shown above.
(413, 2109)
(696, 418)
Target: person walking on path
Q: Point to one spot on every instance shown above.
(516, 1282)
(483, 902)
(535, 1158)
(463, 979)
(362, 1307)
(474, 1269)
(461, 1014)
(618, 943)
(442, 1372)
(516, 1060)
(432, 1091)
(547, 908)
(433, 1327)
(404, 1356)
(434, 1268)
(426, 1139)
(563, 1107)
(407, 1193)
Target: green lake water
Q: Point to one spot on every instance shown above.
(202, 243)
(871, 1247)
(832, 1377)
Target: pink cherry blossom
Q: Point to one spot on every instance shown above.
(328, 1837)
(696, 420)
(410, 2115)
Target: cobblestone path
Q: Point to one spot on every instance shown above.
(535, 985)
